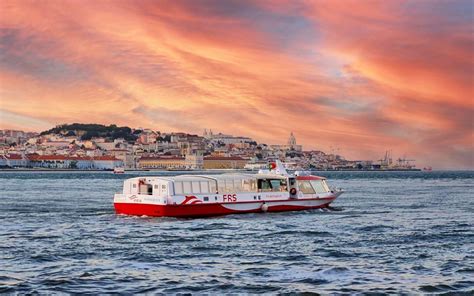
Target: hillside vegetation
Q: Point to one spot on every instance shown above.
(89, 131)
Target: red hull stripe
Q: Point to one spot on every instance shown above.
(260, 201)
(200, 210)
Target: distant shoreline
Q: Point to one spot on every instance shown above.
(203, 170)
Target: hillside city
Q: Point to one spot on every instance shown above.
(80, 146)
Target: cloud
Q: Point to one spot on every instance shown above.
(363, 76)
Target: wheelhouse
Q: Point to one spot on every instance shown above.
(312, 185)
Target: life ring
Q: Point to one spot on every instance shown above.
(293, 191)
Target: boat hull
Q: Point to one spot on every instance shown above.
(219, 209)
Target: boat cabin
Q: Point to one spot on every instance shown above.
(224, 184)
(199, 184)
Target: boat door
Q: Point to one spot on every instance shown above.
(292, 188)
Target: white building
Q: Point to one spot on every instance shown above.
(290, 145)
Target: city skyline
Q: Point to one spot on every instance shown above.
(364, 76)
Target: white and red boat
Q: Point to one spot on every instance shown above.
(211, 195)
(119, 170)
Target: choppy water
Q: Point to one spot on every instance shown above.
(399, 232)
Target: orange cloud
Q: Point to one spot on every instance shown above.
(371, 75)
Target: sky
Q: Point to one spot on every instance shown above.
(355, 77)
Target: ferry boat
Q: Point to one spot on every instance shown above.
(271, 190)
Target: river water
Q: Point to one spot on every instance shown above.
(397, 232)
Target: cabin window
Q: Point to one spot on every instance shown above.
(205, 187)
(156, 187)
(206, 198)
(325, 185)
(238, 185)
(249, 185)
(275, 184)
(272, 185)
(134, 185)
(264, 185)
(196, 187)
(178, 188)
(187, 187)
(305, 187)
(229, 186)
(145, 189)
(164, 190)
(221, 186)
(318, 186)
(213, 188)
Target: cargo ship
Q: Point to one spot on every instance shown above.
(270, 190)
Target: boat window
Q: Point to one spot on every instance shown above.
(187, 187)
(178, 188)
(238, 186)
(305, 187)
(221, 186)
(283, 185)
(264, 185)
(249, 185)
(275, 185)
(318, 186)
(325, 185)
(156, 186)
(195, 186)
(204, 187)
(145, 189)
(229, 186)
(134, 185)
(212, 186)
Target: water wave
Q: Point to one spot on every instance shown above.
(398, 232)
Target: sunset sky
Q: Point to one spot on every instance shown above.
(363, 76)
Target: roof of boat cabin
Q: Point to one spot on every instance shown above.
(310, 177)
(210, 177)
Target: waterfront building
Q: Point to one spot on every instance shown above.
(125, 156)
(106, 162)
(55, 161)
(216, 162)
(12, 161)
(73, 162)
(162, 162)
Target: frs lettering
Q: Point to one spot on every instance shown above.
(229, 197)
